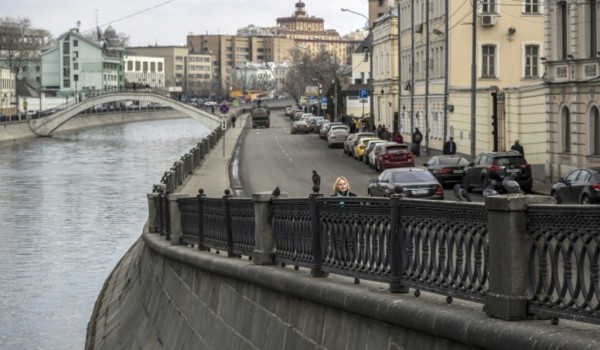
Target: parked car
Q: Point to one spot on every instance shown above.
(393, 155)
(415, 183)
(352, 140)
(370, 148)
(326, 127)
(581, 186)
(297, 115)
(312, 123)
(488, 166)
(447, 169)
(299, 126)
(359, 150)
(336, 137)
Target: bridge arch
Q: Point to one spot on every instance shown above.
(47, 125)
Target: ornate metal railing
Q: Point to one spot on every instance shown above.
(564, 260)
(446, 248)
(241, 218)
(292, 224)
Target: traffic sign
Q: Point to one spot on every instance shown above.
(363, 93)
(324, 100)
(224, 108)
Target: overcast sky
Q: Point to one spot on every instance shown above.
(168, 22)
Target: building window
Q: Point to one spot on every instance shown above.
(75, 66)
(565, 131)
(532, 61)
(160, 66)
(66, 47)
(595, 130)
(75, 42)
(488, 61)
(380, 3)
(593, 29)
(532, 7)
(488, 6)
(563, 29)
(138, 66)
(130, 66)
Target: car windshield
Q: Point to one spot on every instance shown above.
(411, 177)
(339, 131)
(397, 148)
(453, 161)
(514, 161)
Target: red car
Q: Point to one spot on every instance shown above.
(393, 155)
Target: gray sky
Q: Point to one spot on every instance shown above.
(168, 22)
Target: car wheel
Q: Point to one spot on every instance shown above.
(585, 200)
(554, 195)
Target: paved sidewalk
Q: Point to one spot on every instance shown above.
(213, 175)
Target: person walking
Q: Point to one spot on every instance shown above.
(417, 137)
(233, 119)
(341, 188)
(517, 147)
(398, 138)
(449, 146)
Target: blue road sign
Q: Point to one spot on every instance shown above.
(363, 93)
(224, 108)
(324, 99)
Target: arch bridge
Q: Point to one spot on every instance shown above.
(47, 125)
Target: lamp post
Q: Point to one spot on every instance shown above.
(370, 83)
(473, 78)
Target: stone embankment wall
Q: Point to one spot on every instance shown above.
(162, 296)
(16, 131)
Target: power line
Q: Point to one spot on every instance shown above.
(130, 15)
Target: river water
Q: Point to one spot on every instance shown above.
(70, 208)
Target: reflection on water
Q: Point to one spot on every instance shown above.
(70, 207)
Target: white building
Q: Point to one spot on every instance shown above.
(8, 91)
(144, 71)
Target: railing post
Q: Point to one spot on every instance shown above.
(230, 252)
(175, 218)
(153, 208)
(508, 249)
(397, 246)
(264, 235)
(315, 228)
(200, 232)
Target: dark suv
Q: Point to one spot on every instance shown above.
(495, 166)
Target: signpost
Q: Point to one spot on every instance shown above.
(363, 96)
(224, 109)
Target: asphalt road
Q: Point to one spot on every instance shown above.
(274, 157)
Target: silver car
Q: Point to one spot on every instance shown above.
(336, 137)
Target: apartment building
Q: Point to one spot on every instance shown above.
(77, 65)
(503, 101)
(572, 58)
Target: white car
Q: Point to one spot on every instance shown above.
(210, 103)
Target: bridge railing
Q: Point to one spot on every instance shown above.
(519, 256)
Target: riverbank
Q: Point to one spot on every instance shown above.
(20, 131)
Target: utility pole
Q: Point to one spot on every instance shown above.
(399, 29)
(426, 76)
(473, 78)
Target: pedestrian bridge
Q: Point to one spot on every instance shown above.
(47, 125)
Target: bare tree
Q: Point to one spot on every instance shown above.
(19, 43)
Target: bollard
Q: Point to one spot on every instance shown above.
(200, 231)
(264, 235)
(508, 247)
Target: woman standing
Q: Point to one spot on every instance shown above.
(341, 188)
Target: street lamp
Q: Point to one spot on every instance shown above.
(473, 78)
(370, 82)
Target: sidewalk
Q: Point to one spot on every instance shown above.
(213, 175)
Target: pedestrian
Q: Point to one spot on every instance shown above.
(449, 146)
(398, 138)
(417, 137)
(385, 134)
(517, 147)
(341, 188)
(379, 131)
(233, 119)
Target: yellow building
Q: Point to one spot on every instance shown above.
(508, 73)
(572, 58)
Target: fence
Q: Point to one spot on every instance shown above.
(517, 256)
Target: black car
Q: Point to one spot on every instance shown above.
(581, 186)
(447, 169)
(489, 166)
(415, 183)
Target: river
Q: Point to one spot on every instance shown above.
(70, 207)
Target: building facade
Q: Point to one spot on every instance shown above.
(77, 65)
(413, 72)
(572, 59)
(8, 92)
(144, 71)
